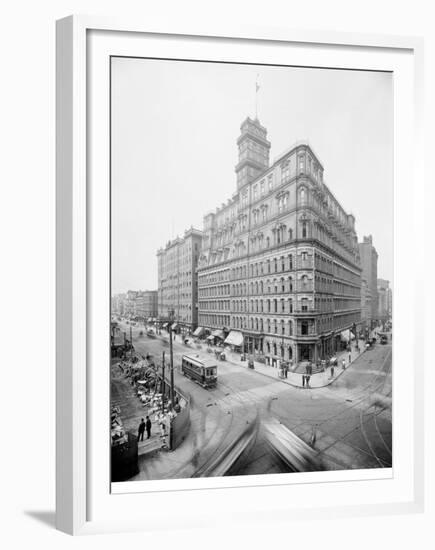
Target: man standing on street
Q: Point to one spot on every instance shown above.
(141, 430)
(148, 427)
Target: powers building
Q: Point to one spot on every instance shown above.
(279, 272)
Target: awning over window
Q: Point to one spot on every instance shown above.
(198, 331)
(174, 326)
(346, 335)
(218, 334)
(235, 338)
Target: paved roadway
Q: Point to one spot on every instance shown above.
(348, 422)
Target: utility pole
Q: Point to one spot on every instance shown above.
(131, 342)
(171, 359)
(163, 383)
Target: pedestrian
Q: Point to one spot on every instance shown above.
(332, 370)
(148, 427)
(141, 430)
(350, 357)
(307, 379)
(303, 380)
(343, 364)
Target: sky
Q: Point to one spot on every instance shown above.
(174, 130)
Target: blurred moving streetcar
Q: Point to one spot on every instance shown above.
(294, 452)
(202, 371)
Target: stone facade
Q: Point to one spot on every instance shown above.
(369, 264)
(280, 259)
(384, 300)
(146, 304)
(177, 280)
(366, 305)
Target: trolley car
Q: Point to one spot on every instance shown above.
(202, 371)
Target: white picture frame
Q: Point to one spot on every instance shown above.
(84, 502)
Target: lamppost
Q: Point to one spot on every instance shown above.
(171, 356)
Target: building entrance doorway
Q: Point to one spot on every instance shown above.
(306, 352)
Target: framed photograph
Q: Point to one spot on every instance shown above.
(238, 318)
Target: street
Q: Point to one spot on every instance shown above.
(348, 423)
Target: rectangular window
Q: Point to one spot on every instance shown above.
(262, 187)
(270, 182)
(255, 192)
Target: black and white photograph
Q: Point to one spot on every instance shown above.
(251, 269)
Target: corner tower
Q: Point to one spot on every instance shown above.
(254, 151)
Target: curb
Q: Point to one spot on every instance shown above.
(298, 386)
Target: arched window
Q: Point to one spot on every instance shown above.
(304, 229)
(268, 306)
(303, 196)
(290, 284)
(290, 262)
(290, 234)
(290, 329)
(282, 327)
(267, 242)
(275, 305)
(290, 303)
(282, 284)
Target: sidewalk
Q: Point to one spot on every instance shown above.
(317, 380)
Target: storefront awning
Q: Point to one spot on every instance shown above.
(198, 331)
(346, 335)
(165, 325)
(210, 337)
(218, 334)
(234, 338)
(149, 319)
(174, 326)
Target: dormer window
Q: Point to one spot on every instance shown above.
(285, 170)
(301, 164)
